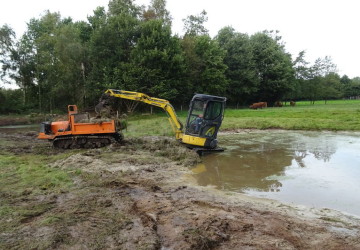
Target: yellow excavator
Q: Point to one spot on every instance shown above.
(202, 124)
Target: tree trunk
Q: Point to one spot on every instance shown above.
(50, 106)
(24, 97)
(39, 98)
(83, 84)
(130, 105)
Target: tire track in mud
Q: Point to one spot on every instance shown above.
(184, 220)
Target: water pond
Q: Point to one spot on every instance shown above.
(316, 169)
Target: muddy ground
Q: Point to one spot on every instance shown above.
(140, 195)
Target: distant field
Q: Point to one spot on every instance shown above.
(335, 115)
(322, 103)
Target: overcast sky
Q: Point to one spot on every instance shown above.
(320, 27)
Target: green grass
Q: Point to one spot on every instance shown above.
(30, 172)
(156, 124)
(24, 178)
(336, 115)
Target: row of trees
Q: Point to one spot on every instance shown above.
(58, 61)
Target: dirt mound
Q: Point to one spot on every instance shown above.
(81, 161)
(130, 156)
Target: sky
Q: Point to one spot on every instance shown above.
(320, 27)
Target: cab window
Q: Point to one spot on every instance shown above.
(198, 107)
(214, 110)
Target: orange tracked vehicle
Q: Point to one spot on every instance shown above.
(79, 132)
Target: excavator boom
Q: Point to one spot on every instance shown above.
(161, 103)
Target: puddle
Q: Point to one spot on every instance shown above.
(316, 169)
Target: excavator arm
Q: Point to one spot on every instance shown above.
(176, 124)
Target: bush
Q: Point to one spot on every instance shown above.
(11, 101)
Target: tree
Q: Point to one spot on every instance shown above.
(194, 25)
(205, 65)
(124, 8)
(323, 67)
(157, 10)
(17, 61)
(274, 67)
(158, 60)
(7, 48)
(302, 75)
(301, 67)
(331, 87)
(71, 62)
(315, 87)
(10, 101)
(345, 83)
(40, 38)
(113, 37)
(352, 89)
(345, 80)
(240, 73)
(56, 49)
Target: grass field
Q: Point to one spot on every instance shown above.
(337, 115)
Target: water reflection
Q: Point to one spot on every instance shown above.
(250, 159)
(247, 166)
(307, 167)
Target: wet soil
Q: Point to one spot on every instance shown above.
(140, 195)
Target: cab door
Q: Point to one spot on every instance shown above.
(194, 123)
(205, 116)
(213, 116)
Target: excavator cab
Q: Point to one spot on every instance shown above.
(204, 120)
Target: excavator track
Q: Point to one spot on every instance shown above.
(202, 151)
(85, 141)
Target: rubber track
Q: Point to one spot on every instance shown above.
(83, 141)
